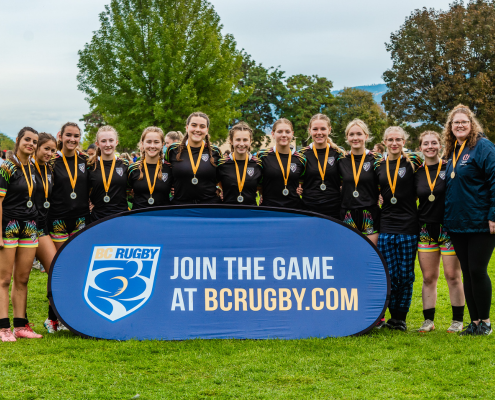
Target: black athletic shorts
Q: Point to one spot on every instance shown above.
(365, 220)
(16, 233)
(61, 229)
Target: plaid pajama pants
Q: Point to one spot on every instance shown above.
(400, 253)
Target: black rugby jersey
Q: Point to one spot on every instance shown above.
(400, 218)
(431, 212)
(205, 191)
(117, 191)
(62, 206)
(313, 197)
(368, 181)
(39, 197)
(161, 193)
(273, 179)
(14, 188)
(228, 178)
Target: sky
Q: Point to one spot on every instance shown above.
(39, 41)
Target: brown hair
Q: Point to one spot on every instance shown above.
(67, 124)
(186, 136)
(239, 127)
(105, 128)
(381, 147)
(405, 136)
(143, 137)
(20, 135)
(282, 121)
(449, 137)
(43, 138)
(326, 118)
(176, 136)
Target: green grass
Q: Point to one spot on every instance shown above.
(382, 364)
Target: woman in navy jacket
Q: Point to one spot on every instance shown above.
(470, 210)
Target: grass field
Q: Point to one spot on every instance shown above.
(382, 364)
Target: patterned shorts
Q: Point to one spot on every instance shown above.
(17, 233)
(365, 220)
(434, 237)
(42, 227)
(61, 229)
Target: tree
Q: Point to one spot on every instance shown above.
(353, 103)
(305, 96)
(261, 108)
(6, 143)
(441, 59)
(153, 62)
(92, 122)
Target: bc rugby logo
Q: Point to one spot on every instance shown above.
(120, 279)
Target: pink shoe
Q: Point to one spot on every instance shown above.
(26, 332)
(6, 335)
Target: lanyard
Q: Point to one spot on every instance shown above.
(432, 185)
(356, 176)
(44, 181)
(72, 180)
(106, 184)
(240, 182)
(322, 171)
(455, 159)
(152, 188)
(29, 182)
(193, 165)
(392, 186)
(286, 177)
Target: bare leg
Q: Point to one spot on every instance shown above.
(7, 258)
(374, 238)
(23, 263)
(45, 252)
(430, 267)
(453, 275)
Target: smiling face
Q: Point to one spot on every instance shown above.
(241, 142)
(152, 144)
(394, 142)
(461, 126)
(357, 137)
(197, 129)
(107, 142)
(320, 131)
(46, 151)
(71, 138)
(27, 143)
(283, 134)
(430, 146)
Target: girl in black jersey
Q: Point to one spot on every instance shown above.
(434, 240)
(359, 207)
(69, 202)
(321, 188)
(240, 172)
(149, 179)
(398, 240)
(193, 162)
(107, 176)
(283, 169)
(19, 238)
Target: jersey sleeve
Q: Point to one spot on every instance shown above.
(416, 160)
(488, 168)
(303, 161)
(7, 169)
(171, 151)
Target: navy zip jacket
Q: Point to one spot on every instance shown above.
(470, 196)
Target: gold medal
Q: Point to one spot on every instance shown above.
(356, 176)
(151, 200)
(322, 171)
(455, 159)
(29, 182)
(106, 184)
(73, 181)
(393, 200)
(285, 192)
(240, 182)
(452, 175)
(195, 166)
(45, 182)
(432, 185)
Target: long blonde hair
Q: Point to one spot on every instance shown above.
(323, 117)
(362, 125)
(449, 137)
(94, 157)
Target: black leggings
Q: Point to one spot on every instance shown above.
(474, 251)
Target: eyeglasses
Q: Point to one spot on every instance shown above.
(463, 123)
(398, 140)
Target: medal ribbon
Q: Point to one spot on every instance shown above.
(106, 184)
(72, 180)
(29, 181)
(392, 187)
(195, 166)
(356, 176)
(454, 159)
(152, 188)
(322, 172)
(240, 182)
(286, 178)
(432, 186)
(44, 181)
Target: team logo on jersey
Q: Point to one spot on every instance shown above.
(120, 279)
(205, 157)
(442, 175)
(366, 166)
(82, 167)
(293, 167)
(466, 157)
(164, 176)
(402, 172)
(250, 171)
(119, 171)
(49, 176)
(331, 160)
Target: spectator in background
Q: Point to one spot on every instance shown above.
(379, 148)
(91, 150)
(9, 154)
(134, 156)
(2, 158)
(172, 137)
(126, 156)
(226, 153)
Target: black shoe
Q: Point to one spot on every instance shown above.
(381, 324)
(471, 330)
(397, 324)
(484, 328)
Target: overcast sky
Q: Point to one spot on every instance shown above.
(39, 40)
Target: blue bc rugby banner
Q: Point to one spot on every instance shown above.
(218, 272)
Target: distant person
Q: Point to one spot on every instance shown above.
(134, 156)
(379, 148)
(126, 156)
(91, 150)
(2, 158)
(9, 155)
(172, 137)
(226, 153)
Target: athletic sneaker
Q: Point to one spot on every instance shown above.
(51, 325)
(62, 327)
(472, 329)
(397, 324)
(26, 332)
(484, 328)
(36, 264)
(427, 326)
(455, 326)
(381, 324)
(6, 335)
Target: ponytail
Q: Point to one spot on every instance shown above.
(182, 146)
